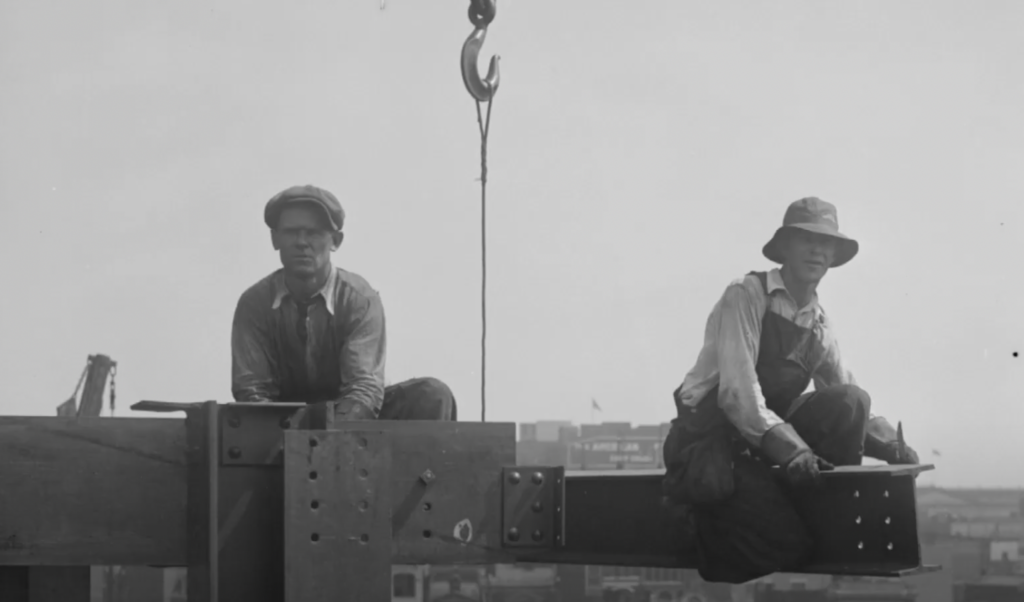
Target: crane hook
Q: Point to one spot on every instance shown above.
(481, 13)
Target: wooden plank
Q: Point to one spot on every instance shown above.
(338, 516)
(92, 491)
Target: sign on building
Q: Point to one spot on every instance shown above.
(609, 453)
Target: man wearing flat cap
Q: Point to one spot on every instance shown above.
(313, 332)
(744, 408)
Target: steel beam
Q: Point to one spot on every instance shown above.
(92, 491)
(209, 492)
(338, 516)
(863, 520)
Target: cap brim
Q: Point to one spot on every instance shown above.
(281, 203)
(845, 250)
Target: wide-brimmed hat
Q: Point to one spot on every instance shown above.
(813, 215)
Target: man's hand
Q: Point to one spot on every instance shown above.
(349, 410)
(806, 468)
(885, 443)
(900, 454)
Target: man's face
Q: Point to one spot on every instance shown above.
(808, 255)
(305, 240)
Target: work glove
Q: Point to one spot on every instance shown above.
(348, 410)
(882, 442)
(783, 446)
(806, 469)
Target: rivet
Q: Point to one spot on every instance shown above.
(514, 478)
(860, 545)
(538, 535)
(856, 493)
(858, 520)
(513, 534)
(886, 493)
(538, 478)
(234, 421)
(537, 506)
(427, 476)
(888, 520)
(889, 546)
(235, 453)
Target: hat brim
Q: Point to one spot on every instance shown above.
(846, 248)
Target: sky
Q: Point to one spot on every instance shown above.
(639, 157)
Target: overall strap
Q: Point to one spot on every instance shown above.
(763, 277)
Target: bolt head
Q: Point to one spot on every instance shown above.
(538, 478)
(234, 453)
(513, 534)
(514, 478)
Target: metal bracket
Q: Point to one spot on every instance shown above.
(253, 434)
(865, 520)
(531, 512)
(338, 515)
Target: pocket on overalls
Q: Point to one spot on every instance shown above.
(698, 455)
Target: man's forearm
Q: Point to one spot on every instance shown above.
(368, 394)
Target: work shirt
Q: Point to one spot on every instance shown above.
(729, 357)
(332, 349)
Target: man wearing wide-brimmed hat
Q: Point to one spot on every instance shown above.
(744, 406)
(312, 332)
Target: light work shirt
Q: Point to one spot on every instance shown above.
(729, 354)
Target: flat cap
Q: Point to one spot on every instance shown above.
(305, 194)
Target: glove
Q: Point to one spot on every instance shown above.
(806, 469)
(882, 443)
(786, 448)
(349, 410)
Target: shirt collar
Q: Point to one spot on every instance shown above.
(281, 290)
(775, 283)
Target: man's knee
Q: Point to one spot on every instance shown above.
(428, 398)
(851, 400)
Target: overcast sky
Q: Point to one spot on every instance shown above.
(640, 156)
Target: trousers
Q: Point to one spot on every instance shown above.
(757, 530)
(419, 399)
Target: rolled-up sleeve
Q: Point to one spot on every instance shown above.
(252, 365)
(739, 394)
(363, 354)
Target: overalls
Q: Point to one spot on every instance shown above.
(744, 523)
